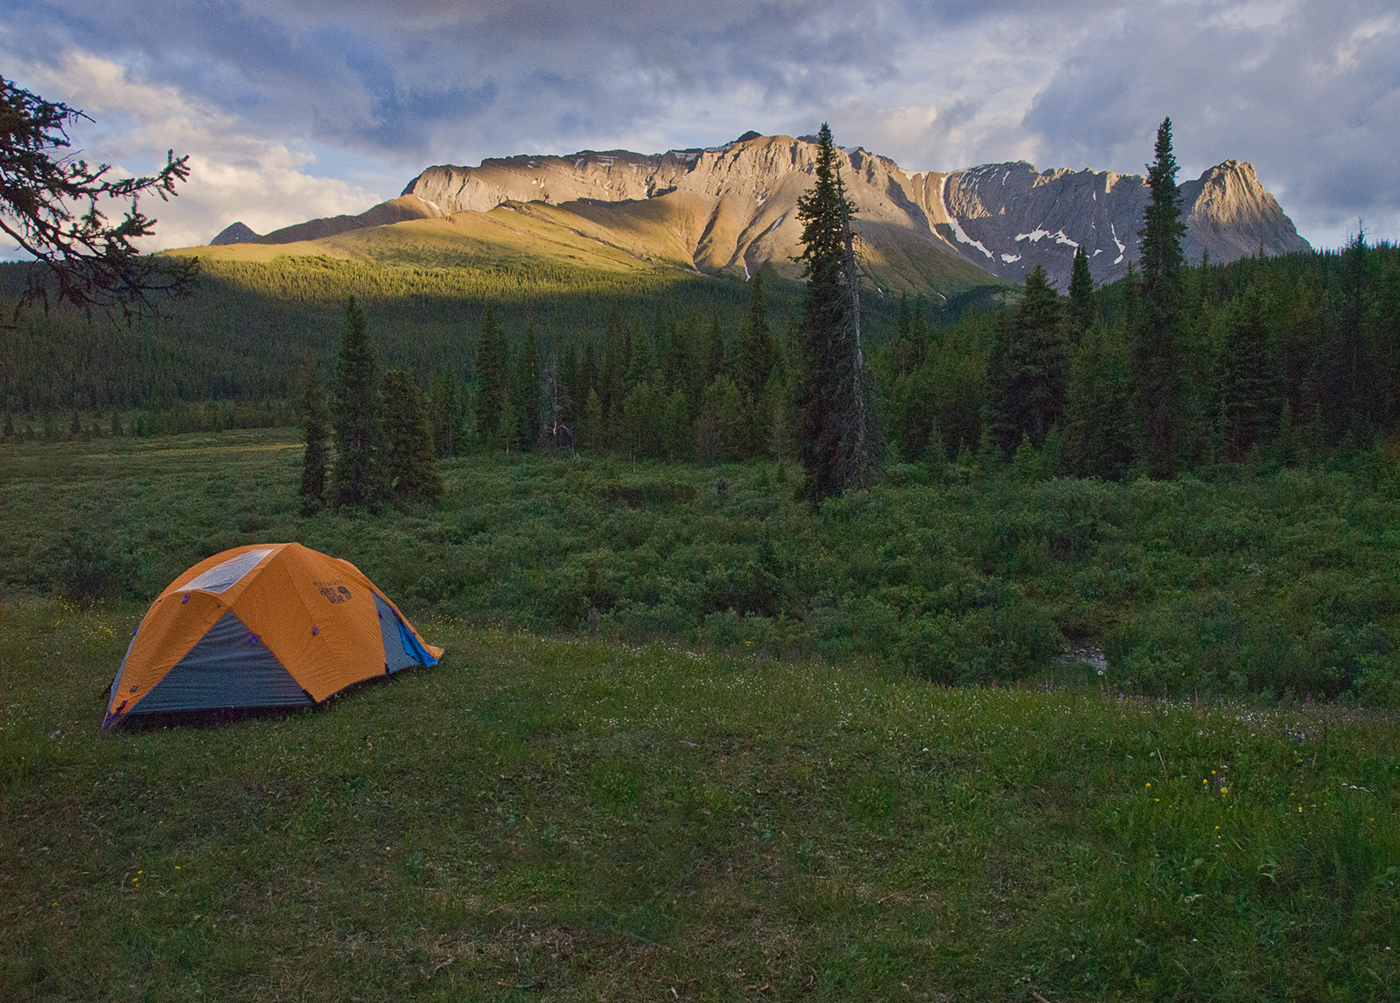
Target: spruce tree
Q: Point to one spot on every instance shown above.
(711, 355)
(556, 431)
(612, 382)
(1251, 398)
(507, 428)
(675, 360)
(1027, 370)
(641, 364)
(310, 408)
(755, 344)
(525, 392)
(410, 459)
(675, 426)
(357, 473)
(1082, 308)
(1155, 356)
(446, 414)
(492, 375)
(1099, 405)
(1354, 391)
(586, 377)
(642, 417)
(9, 432)
(919, 331)
(836, 440)
(909, 341)
(591, 422)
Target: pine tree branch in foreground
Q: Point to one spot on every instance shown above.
(55, 207)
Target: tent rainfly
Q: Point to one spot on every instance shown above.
(267, 625)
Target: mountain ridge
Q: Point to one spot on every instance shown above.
(732, 209)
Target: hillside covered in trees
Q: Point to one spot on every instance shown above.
(1281, 358)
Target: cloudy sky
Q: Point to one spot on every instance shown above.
(291, 110)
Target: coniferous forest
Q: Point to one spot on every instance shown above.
(1283, 360)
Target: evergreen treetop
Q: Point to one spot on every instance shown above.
(492, 373)
(1082, 307)
(357, 476)
(1026, 371)
(755, 355)
(1162, 228)
(410, 460)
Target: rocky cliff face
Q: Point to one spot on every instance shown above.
(1015, 218)
(1003, 218)
(733, 209)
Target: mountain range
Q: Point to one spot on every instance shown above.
(733, 209)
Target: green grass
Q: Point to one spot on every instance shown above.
(766, 805)
(582, 820)
(1284, 583)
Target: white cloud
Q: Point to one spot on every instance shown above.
(233, 176)
(1307, 89)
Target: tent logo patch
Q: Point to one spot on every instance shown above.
(334, 592)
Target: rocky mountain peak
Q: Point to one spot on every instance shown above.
(235, 233)
(732, 208)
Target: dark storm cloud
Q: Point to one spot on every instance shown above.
(422, 78)
(1310, 92)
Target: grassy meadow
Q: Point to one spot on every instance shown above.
(759, 780)
(1280, 582)
(572, 819)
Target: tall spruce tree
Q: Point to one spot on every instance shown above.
(410, 459)
(1082, 308)
(1251, 398)
(1353, 388)
(310, 407)
(1154, 337)
(1027, 369)
(357, 474)
(525, 392)
(711, 355)
(446, 413)
(755, 355)
(492, 375)
(556, 430)
(836, 437)
(908, 352)
(612, 381)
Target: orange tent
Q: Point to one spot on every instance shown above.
(266, 625)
